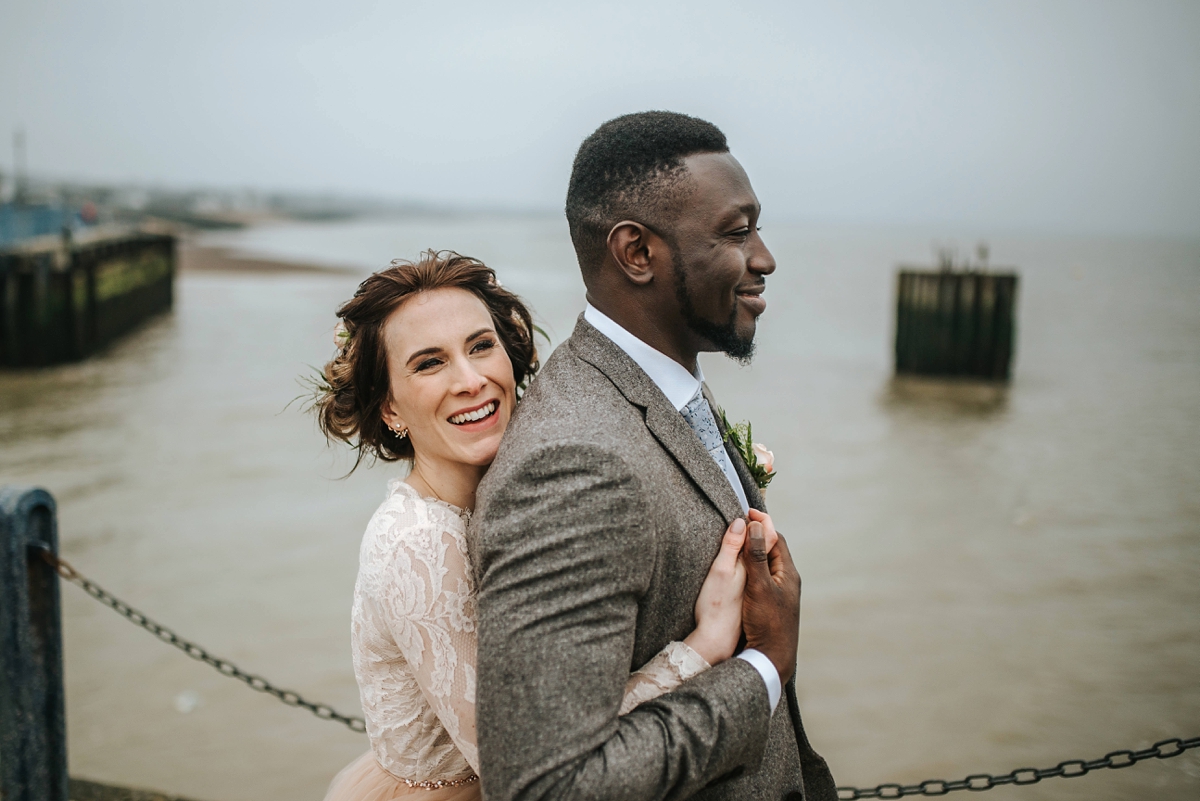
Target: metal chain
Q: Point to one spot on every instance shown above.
(1164, 749)
(227, 668)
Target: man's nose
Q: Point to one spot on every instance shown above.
(760, 259)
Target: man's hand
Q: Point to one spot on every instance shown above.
(771, 605)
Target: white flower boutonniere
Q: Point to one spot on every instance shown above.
(758, 459)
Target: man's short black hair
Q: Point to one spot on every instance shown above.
(631, 169)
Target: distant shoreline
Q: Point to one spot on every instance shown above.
(198, 258)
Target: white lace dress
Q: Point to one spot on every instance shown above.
(413, 641)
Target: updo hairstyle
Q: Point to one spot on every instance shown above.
(354, 385)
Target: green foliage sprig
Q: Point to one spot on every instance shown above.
(742, 437)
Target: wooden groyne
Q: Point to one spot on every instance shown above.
(61, 301)
(955, 323)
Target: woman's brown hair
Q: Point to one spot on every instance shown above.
(354, 385)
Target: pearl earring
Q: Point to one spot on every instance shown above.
(400, 433)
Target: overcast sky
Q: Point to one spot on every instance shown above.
(1067, 116)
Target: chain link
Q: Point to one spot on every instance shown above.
(224, 666)
(1164, 749)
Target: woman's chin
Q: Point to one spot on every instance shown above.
(480, 454)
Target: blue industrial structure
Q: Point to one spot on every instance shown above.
(25, 220)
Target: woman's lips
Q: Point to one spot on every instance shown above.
(471, 420)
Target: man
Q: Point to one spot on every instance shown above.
(598, 520)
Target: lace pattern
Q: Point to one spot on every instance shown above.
(413, 640)
(669, 668)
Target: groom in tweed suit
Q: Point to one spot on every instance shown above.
(596, 524)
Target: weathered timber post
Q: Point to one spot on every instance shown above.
(61, 304)
(33, 737)
(955, 323)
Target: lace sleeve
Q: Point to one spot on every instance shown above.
(669, 668)
(429, 608)
(425, 598)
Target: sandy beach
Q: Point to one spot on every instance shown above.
(193, 257)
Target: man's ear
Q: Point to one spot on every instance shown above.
(635, 249)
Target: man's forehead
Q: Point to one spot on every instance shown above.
(720, 163)
(718, 181)
(719, 187)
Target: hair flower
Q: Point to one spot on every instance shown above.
(341, 337)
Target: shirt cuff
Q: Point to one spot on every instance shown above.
(766, 669)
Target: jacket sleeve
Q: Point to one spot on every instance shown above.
(564, 554)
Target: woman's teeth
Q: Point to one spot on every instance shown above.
(478, 414)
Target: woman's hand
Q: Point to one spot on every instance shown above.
(719, 607)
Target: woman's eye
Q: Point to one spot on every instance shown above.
(428, 364)
(482, 345)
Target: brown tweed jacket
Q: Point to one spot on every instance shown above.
(593, 532)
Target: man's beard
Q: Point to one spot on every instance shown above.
(724, 335)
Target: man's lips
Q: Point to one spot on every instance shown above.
(751, 297)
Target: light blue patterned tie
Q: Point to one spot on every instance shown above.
(699, 416)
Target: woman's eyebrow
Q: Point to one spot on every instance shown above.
(430, 351)
(422, 352)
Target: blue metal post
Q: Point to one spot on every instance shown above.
(33, 736)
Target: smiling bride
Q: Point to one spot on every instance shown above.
(431, 358)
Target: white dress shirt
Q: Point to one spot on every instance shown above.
(680, 387)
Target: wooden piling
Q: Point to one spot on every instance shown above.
(955, 323)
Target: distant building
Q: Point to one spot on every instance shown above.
(20, 221)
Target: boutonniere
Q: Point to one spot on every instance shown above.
(758, 459)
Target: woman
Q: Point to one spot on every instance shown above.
(431, 359)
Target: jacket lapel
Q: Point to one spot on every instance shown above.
(662, 419)
(754, 495)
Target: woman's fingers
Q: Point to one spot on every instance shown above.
(731, 545)
(769, 532)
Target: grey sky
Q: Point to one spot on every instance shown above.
(1049, 115)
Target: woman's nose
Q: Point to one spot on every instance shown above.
(467, 380)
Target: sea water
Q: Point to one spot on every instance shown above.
(991, 579)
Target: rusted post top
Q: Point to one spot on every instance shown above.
(967, 269)
(32, 717)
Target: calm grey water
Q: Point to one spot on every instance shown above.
(989, 582)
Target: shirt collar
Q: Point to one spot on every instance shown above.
(671, 377)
